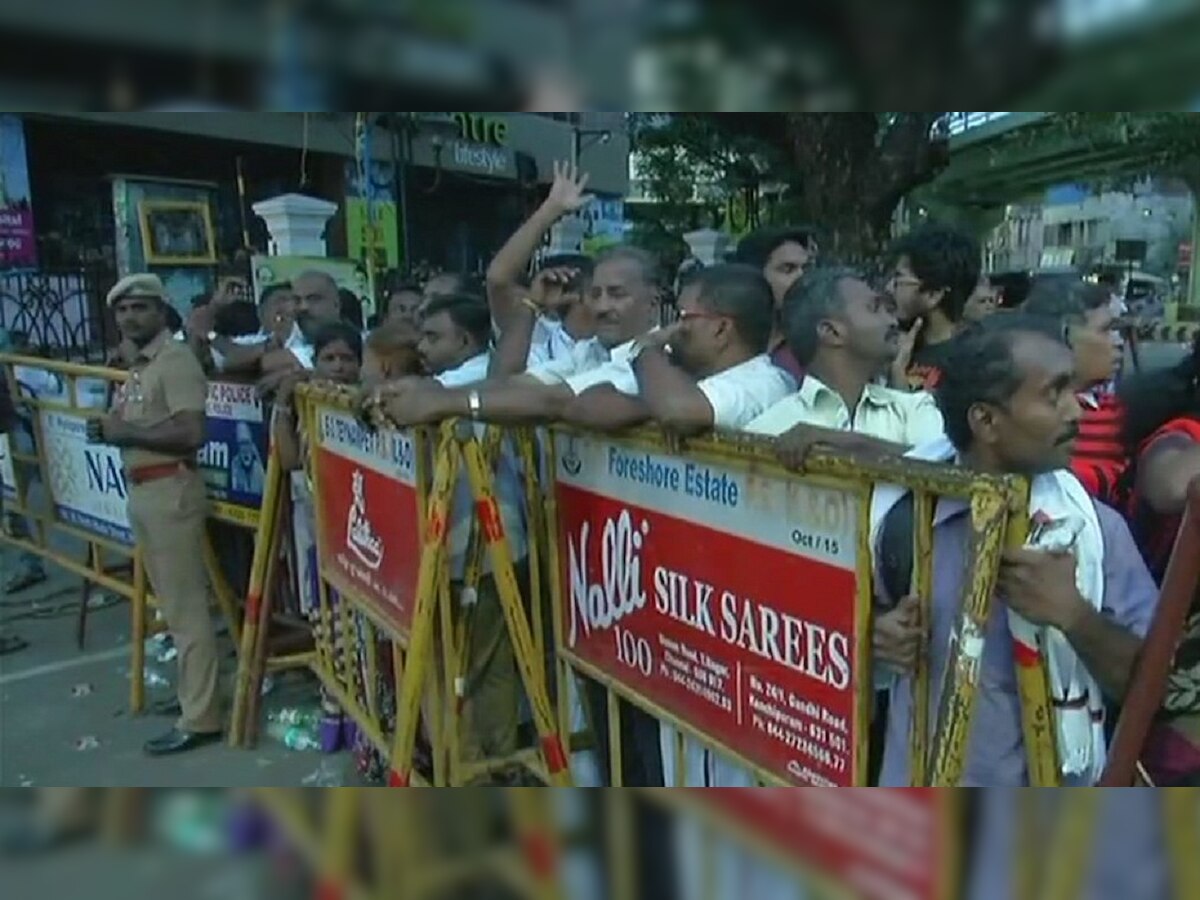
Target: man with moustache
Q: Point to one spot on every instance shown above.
(845, 335)
(709, 369)
(158, 424)
(623, 298)
(312, 301)
(1079, 590)
(455, 333)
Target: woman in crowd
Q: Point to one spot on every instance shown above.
(1162, 433)
(984, 301)
(1162, 437)
(337, 357)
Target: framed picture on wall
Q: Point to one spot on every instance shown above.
(177, 233)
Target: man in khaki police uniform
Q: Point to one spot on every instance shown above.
(158, 422)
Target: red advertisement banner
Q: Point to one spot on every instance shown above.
(880, 843)
(370, 539)
(750, 644)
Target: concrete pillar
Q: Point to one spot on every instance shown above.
(296, 223)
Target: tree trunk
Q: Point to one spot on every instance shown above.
(852, 171)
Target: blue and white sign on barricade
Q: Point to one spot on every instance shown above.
(233, 458)
(86, 481)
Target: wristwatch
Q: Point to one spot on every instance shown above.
(473, 404)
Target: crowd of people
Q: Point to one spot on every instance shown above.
(776, 342)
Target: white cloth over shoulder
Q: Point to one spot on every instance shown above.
(1071, 523)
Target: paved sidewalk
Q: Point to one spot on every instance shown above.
(64, 714)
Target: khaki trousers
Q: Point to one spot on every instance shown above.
(168, 518)
(493, 697)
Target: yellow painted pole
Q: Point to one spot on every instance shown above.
(492, 524)
(922, 587)
(255, 609)
(420, 643)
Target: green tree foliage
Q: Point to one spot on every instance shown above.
(845, 173)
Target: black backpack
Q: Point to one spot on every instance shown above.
(896, 553)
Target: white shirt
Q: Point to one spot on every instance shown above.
(742, 392)
(295, 342)
(508, 483)
(473, 370)
(300, 348)
(585, 355)
(897, 416)
(617, 371)
(549, 341)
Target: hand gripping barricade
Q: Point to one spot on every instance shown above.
(384, 504)
(82, 494)
(732, 599)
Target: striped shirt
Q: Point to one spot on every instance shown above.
(1100, 459)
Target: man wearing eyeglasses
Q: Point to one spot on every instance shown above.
(935, 270)
(707, 370)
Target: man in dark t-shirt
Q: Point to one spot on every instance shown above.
(934, 270)
(924, 370)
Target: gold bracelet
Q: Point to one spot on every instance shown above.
(531, 304)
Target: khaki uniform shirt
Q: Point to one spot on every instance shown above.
(165, 380)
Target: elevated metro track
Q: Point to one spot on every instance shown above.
(1020, 154)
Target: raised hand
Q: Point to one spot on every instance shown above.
(566, 192)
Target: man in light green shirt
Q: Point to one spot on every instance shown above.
(845, 334)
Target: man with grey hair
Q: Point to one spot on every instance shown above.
(623, 297)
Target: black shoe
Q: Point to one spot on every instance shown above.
(166, 708)
(176, 741)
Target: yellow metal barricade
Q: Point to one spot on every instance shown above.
(85, 497)
(461, 455)
(643, 606)
(384, 502)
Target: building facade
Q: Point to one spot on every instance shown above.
(1145, 228)
(457, 185)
